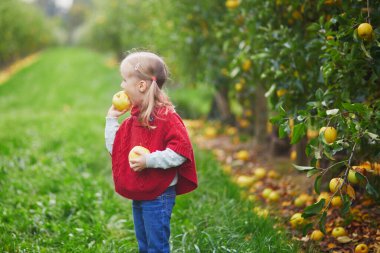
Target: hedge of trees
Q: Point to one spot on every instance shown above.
(24, 30)
(311, 67)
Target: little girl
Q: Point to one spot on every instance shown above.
(152, 180)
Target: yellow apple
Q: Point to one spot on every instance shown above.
(316, 235)
(300, 201)
(266, 192)
(140, 149)
(296, 220)
(121, 101)
(361, 248)
(335, 184)
(274, 196)
(336, 201)
(273, 174)
(323, 195)
(330, 134)
(245, 181)
(210, 132)
(352, 177)
(365, 31)
(338, 231)
(242, 155)
(260, 173)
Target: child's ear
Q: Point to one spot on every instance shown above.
(142, 86)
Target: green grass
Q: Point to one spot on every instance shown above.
(55, 174)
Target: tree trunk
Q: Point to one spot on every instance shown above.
(302, 159)
(261, 119)
(220, 107)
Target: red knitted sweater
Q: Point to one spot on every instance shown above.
(170, 132)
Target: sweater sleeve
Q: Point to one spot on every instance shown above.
(112, 125)
(164, 159)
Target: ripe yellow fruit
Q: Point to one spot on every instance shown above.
(365, 31)
(242, 155)
(330, 37)
(312, 133)
(238, 86)
(335, 184)
(266, 192)
(330, 134)
(231, 130)
(336, 201)
(350, 191)
(322, 130)
(352, 177)
(296, 220)
(232, 4)
(316, 235)
(246, 65)
(139, 149)
(273, 174)
(293, 155)
(338, 231)
(260, 173)
(121, 101)
(281, 92)
(361, 248)
(245, 181)
(296, 15)
(274, 196)
(301, 200)
(210, 132)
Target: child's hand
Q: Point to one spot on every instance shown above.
(139, 163)
(112, 112)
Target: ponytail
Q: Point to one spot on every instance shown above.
(153, 70)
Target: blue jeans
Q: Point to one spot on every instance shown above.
(152, 222)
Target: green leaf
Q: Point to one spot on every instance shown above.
(346, 204)
(298, 132)
(307, 228)
(283, 129)
(365, 50)
(328, 155)
(317, 184)
(356, 108)
(319, 94)
(322, 222)
(372, 191)
(302, 168)
(276, 119)
(313, 209)
(312, 172)
(360, 177)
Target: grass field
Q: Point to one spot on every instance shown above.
(56, 189)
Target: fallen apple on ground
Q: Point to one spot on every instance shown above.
(338, 231)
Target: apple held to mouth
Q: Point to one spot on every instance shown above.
(121, 101)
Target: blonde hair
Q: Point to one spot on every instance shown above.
(151, 68)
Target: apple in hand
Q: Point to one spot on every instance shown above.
(121, 101)
(139, 150)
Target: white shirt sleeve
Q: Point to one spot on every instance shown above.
(112, 125)
(164, 159)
